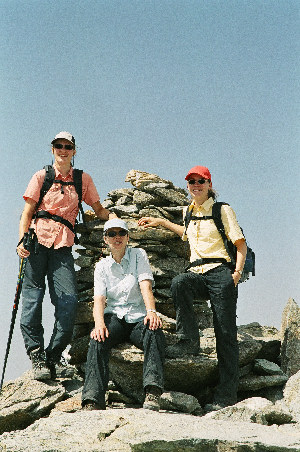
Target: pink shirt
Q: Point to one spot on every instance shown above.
(64, 204)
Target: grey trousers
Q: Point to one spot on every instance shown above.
(152, 342)
(58, 266)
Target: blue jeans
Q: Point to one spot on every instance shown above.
(58, 266)
(217, 286)
(152, 342)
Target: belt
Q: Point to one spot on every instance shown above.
(206, 260)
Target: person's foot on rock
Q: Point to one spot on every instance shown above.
(90, 405)
(152, 398)
(60, 368)
(40, 368)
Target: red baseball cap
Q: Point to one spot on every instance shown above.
(201, 171)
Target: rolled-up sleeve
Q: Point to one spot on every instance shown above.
(89, 192)
(33, 189)
(143, 267)
(231, 226)
(99, 280)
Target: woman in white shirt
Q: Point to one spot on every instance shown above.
(124, 311)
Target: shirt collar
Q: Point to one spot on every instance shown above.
(126, 256)
(205, 206)
(58, 174)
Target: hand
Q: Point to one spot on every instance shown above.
(112, 215)
(99, 333)
(149, 222)
(22, 252)
(236, 277)
(154, 320)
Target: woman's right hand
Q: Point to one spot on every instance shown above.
(22, 252)
(150, 222)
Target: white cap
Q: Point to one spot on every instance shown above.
(65, 135)
(115, 223)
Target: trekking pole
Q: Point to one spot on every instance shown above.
(27, 240)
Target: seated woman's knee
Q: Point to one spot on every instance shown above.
(178, 281)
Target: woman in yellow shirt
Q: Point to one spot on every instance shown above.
(212, 278)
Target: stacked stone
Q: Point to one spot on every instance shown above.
(149, 195)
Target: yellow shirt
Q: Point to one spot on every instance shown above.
(204, 237)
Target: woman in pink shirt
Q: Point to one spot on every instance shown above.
(53, 221)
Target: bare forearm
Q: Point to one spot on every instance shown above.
(153, 222)
(98, 310)
(177, 228)
(26, 217)
(147, 294)
(24, 225)
(102, 213)
(152, 318)
(100, 332)
(240, 259)
(240, 254)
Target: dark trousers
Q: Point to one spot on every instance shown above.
(152, 342)
(217, 286)
(58, 266)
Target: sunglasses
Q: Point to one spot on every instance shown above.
(200, 181)
(68, 147)
(121, 233)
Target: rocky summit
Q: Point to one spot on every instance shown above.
(47, 417)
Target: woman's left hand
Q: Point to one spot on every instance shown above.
(153, 319)
(99, 333)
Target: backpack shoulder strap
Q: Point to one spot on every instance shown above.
(48, 181)
(187, 218)
(216, 214)
(77, 178)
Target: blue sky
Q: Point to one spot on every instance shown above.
(159, 86)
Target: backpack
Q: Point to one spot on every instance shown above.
(249, 266)
(47, 184)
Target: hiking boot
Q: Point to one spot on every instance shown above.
(60, 368)
(152, 398)
(90, 405)
(39, 366)
(182, 348)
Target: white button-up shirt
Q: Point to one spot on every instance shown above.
(119, 283)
